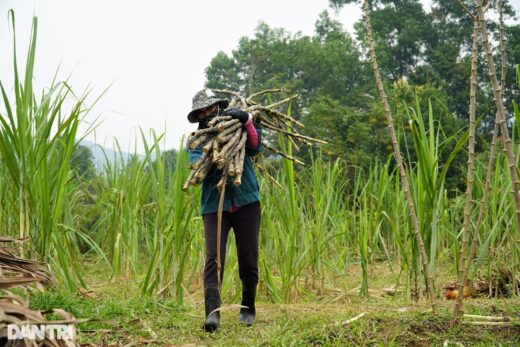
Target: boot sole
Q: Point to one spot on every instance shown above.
(245, 321)
(210, 328)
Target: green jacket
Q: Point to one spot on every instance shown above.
(246, 193)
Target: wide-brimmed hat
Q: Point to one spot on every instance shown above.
(202, 99)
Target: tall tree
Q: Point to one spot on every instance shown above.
(432, 46)
(325, 69)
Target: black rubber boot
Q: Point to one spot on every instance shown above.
(247, 315)
(211, 302)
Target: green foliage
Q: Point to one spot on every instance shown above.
(515, 107)
(37, 140)
(121, 319)
(82, 161)
(274, 58)
(223, 73)
(405, 96)
(326, 69)
(361, 138)
(431, 46)
(420, 51)
(338, 4)
(429, 178)
(172, 232)
(512, 86)
(401, 31)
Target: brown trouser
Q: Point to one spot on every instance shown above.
(246, 226)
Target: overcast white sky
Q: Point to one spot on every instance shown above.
(154, 52)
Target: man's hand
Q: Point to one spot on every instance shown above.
(237, 113)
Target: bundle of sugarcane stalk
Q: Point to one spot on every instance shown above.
(15, 315)
(224, 140)
(16, 271)
(223, 145)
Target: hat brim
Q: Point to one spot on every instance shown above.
(192, 116)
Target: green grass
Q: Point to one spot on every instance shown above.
(123, 316)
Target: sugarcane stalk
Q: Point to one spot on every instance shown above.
(276, 114)
(296, 147)
(277, 124)
(224, 163)
(203, 170)
(240, 144)
(296, 135)
(197, 174)
(264, 169)
(187, 183)
(219, 228)
(397, 153)
(199, 162)
(242, 157)
(198, 141)
(235, 94)
(286, 156)
(228, 146)
(226, 125)
(281, 102)
(497, 92)
(234, 149)
(254, 95)
(208, 146)
(236, 163)
(489, 318)
(487, 323)
(232, 168)
(503, 51)
(471, 167)
(221, 163)
(221, 183)
(229, 130)
(194, 180)
(489, 169)
(224, 139)
(200, 132)
(238, 178)
(225, 131)
(219, 119)
(215, 151)
(191, 138)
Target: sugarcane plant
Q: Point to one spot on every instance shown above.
(37, 138)
(398, 157)
(223, 142)
(478, 19)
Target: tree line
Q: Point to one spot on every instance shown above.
(424, 55)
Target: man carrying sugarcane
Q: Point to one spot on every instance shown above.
(241, 207)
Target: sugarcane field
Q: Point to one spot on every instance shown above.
(259, 173)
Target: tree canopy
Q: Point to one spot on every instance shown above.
(423, 53)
